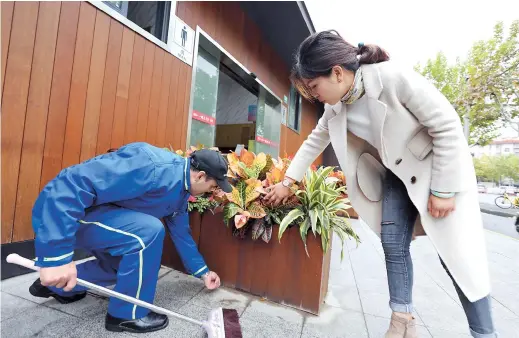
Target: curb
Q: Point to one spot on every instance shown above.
(499, 213)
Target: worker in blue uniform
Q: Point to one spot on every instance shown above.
(112, 206)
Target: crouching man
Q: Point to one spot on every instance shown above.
(111, 206)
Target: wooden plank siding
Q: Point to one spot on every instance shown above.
(76, 82)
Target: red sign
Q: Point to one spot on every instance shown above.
(203, 118)
(263, 140)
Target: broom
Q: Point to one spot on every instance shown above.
(222, 323)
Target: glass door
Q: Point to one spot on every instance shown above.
(268, 123)
(203, 124)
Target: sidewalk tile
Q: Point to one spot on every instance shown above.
(18, 280)
(40, 321)
(441, 333)
(506, 322)
(22, 290)
(87, 307)
(175, 289)
(270, 314)
(440, 312)
(12, 305)
(222, 297)
(344, 297)
(164, 270)
(253, 329)
(335, 323)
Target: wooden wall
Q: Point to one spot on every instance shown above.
(76, 82)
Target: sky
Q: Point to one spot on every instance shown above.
(414, 31)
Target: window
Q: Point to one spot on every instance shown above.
(294, 110)
(152, 16)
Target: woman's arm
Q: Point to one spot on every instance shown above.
(307, 153)
(312, 147)
(436, 113)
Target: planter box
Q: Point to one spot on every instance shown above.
(279, 272)
(170, 256)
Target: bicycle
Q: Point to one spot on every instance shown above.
(507, 202)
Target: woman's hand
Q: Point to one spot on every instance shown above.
(278, 193)
(440, 207)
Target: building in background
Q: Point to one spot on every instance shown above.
(508, 146)
(79, 78)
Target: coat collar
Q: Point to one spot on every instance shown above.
(372, 84)
(372, 80)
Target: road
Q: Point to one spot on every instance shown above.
(502, 225)
(499, 224)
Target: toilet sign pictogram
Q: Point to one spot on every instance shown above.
(183, 41)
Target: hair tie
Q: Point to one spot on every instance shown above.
(360, 45)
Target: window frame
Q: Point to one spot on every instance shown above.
(215, 46)
(167, 46)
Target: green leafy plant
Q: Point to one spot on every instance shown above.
(202, 203)
(321, 209)
(243, 204)
(320, 203)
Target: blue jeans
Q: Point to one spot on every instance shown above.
(398, 217)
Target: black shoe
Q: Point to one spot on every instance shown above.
(38, 290)
(152, 322)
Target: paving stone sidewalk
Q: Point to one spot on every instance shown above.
(356, 304)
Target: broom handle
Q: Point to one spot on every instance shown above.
(29, 264)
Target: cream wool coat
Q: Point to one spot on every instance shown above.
(418, 136)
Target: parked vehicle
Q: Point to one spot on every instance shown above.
(510, 190)
(482, 188)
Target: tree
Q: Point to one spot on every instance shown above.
(497, 168)
(508, 167)
(485, 86)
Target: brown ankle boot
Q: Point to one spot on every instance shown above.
(401, 327)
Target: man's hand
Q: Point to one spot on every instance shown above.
(440, 207)
(211, 280)
(63, 277)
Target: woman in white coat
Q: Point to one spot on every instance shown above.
(407, 164)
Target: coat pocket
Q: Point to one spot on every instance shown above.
(421, 144)
(370, 177)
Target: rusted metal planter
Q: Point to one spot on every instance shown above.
(279, 272)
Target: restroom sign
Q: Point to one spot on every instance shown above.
(183, 41)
